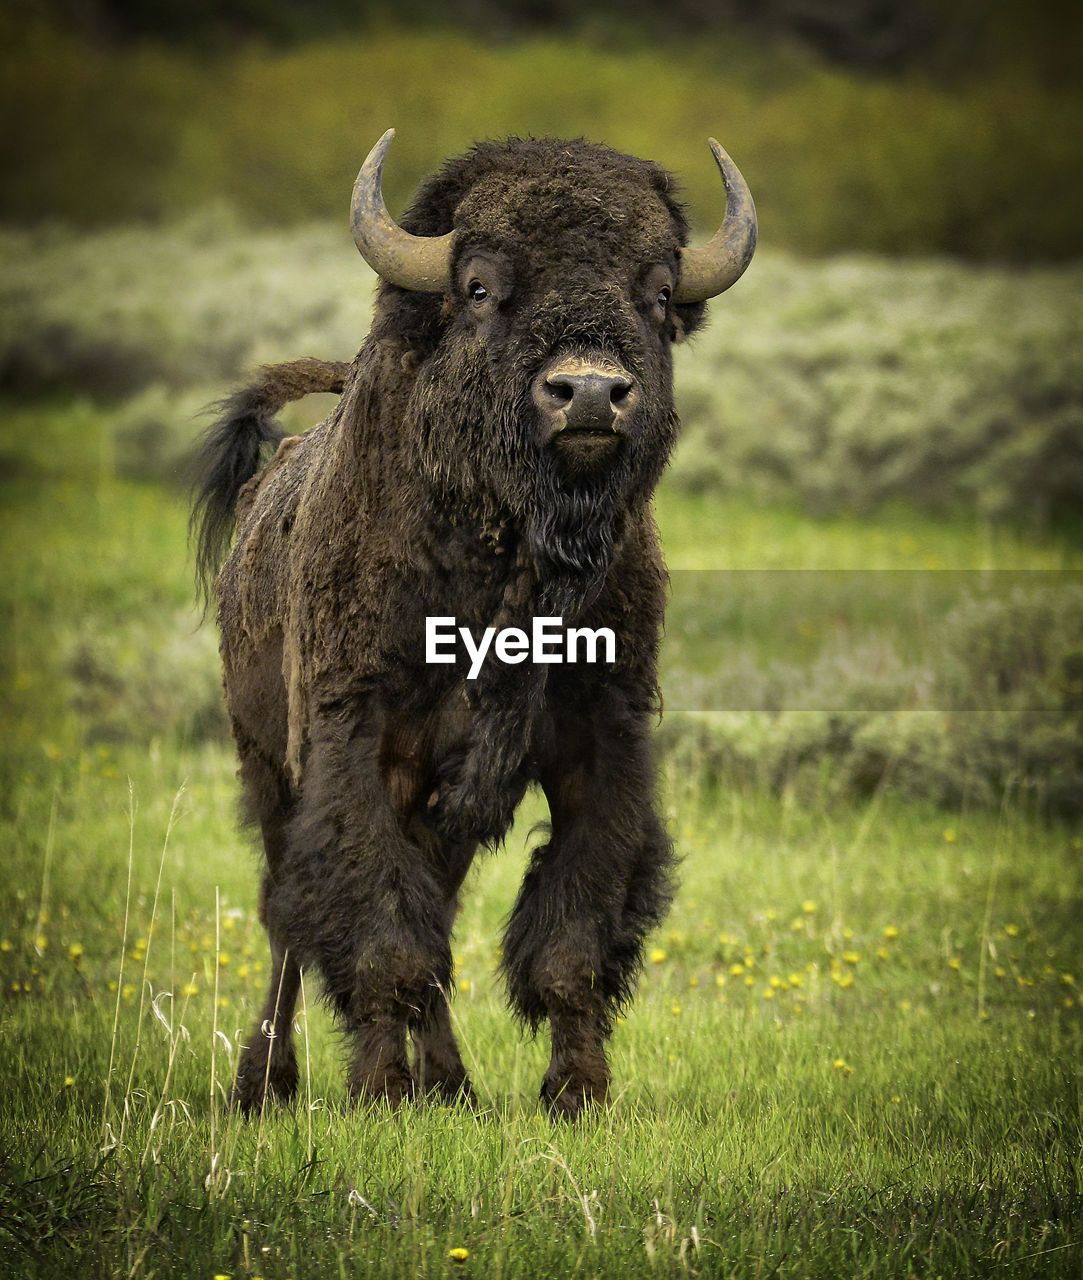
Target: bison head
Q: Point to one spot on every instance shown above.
(535, 289)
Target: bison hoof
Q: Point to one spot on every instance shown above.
(452, 1091)
(255, 1086)
(572, 1100)
(392, 1087)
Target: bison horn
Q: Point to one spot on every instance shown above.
(710, 269)
(420, 263)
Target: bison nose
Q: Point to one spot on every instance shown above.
(578, 396)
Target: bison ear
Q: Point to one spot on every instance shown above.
(687, 318)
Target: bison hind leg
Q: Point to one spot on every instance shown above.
(439, 1072)
(267, 1069)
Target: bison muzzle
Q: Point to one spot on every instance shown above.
(491, 459)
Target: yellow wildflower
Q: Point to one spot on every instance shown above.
(458, 1255)
(657, 955)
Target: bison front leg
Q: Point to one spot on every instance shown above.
(574, 943)
(567, 980)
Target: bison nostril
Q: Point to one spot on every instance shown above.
(559, 390)
(620, 391)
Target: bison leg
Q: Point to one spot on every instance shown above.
(268, 1062)
(574, 942)
(438, 1065)
(579, 1023)
(365, 906)
(380, 1070)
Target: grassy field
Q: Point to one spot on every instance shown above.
(857, 1042)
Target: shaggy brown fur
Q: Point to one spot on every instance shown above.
(436, 489)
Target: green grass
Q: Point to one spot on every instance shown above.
(800, 1089)
(855, 1052)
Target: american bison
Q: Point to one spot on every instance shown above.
(489, 464)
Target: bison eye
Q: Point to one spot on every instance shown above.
(663, 298)
(478, 292)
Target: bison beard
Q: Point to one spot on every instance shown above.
(459, 475)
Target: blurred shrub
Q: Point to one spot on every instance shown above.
(1013, 675)
(193, 304)
(1000, 708)
(845, 383)
(148, 679)
(981, 167)
(852, 382)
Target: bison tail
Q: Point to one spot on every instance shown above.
(235, 447)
